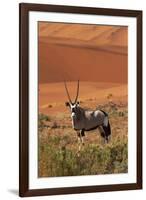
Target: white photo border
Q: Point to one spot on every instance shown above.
(92, 180)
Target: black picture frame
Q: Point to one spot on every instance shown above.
(24, 9)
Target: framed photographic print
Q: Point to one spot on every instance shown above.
(80, 100)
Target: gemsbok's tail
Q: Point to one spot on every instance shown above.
(106, 126)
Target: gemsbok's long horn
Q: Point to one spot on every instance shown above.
(77, 92)
(67, 92)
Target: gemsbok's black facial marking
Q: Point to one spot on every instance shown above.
(87, 120)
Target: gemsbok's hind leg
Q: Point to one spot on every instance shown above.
(102, 133)
(107, 130)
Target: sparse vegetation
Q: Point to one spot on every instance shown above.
(55, 125)
(58, 146)
(94, 159)
(50, 106)
(109, 97)
(44, 117)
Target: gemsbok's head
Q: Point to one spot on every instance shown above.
(73, 105)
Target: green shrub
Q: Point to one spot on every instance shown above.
(55, 159)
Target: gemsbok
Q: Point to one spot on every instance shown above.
(86, 120)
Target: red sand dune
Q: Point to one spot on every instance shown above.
(93, 34)
(90, 53)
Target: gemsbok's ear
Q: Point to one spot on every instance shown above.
(67, 103)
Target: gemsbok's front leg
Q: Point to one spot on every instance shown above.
(80, 135)
(79, 140)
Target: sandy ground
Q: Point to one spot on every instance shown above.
(52, 96)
